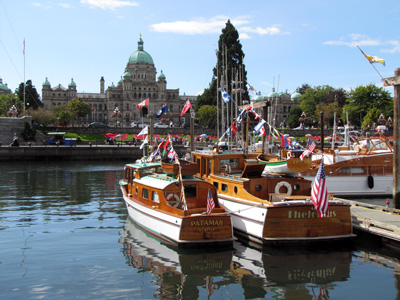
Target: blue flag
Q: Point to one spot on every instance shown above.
(225, 96)
(162, 110)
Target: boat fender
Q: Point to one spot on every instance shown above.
(286, 185)
(370, 182)
(173, 202)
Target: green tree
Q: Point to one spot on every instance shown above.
(311, 98)
(32, 98)
(207, 115)
(228, 44)
(6, 101)
(43, 116)
(293, 120)
(78, 108)
(364, 98)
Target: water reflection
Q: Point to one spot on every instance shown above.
(278, 273)
(179, 273)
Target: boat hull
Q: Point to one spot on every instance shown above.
(357, 186)
(193, 230)
(288, 222)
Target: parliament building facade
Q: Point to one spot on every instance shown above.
(118, 102)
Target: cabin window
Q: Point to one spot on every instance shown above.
(145, 193)
(216, 184)
(154, 197)
(136, 190)
(190, 191)
(296, 187)
(235, 189)
(258, 187)
(232, 163)
(224, 187)
(350, 171)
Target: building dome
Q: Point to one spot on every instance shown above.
(140, 56)
(72, 83)
(273, 94)
(295, 96)
(259, 97)
(127, 74)
(3, 86)
(161, 75)
(46, 82)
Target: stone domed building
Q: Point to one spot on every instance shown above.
(280, 105)
(4, 90)
(138, 82)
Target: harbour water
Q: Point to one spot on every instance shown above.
(65, 234)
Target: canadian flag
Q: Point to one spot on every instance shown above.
(143, 103)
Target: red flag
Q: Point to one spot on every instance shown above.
(319, 193)
(234, 128)
(210, 202)
(210, 285)
(186, 107)
(143, 103)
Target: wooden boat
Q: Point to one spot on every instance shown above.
(364, 169)
(153, 201)
(363, 176)
(288, 162)
(187, 168)
(271, 209)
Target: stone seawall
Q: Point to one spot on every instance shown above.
(86, 152)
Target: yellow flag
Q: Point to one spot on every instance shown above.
(373, 59)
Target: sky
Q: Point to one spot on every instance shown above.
(286, 43)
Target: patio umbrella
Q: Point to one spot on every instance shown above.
(204, 135)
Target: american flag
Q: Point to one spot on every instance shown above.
(310, 147)
(210, 202)
(319, 193)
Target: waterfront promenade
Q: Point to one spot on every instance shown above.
(87, 152)
(379, 221)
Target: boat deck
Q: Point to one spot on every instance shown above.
(376, 220)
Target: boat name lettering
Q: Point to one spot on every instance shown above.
(319, 273)
(294, 214)
(207, 223)
(206, 266)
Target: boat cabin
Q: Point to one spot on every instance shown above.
(151, 186)
(236, 176)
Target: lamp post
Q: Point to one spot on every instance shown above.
(116, 113)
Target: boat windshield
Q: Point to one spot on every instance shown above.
(150, 170)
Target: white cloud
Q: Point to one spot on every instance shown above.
(109, 4)
(395, 47)
(260, 30)
(214, 25)
(197, 26)
(354, 40)
(64, 5)
(244, 36)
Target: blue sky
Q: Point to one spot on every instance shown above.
(286, 43)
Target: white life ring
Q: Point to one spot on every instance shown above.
(289, 155)
(173, 203)
(286, 185)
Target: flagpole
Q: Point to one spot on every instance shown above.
(24, 79)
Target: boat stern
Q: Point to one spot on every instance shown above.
(210, 229)
(291, 222)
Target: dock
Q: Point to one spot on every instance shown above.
(379, 221)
